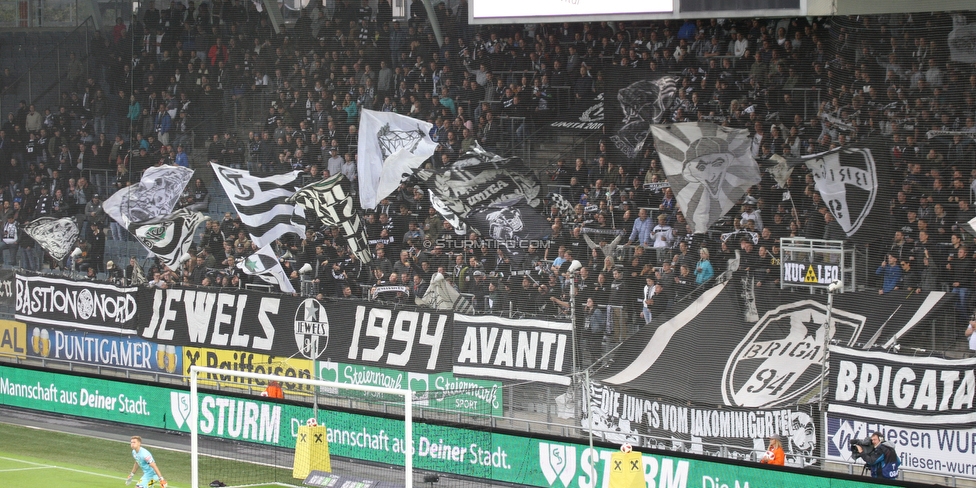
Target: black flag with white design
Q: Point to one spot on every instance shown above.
(169, 237)
(638, 105)
(328, 201)
(509, 223)
(481, 178)
(853, 182)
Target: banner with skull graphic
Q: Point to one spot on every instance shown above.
(510, 223)
(708, 166)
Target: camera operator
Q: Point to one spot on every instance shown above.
(879, 456)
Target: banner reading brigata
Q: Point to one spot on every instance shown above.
(405, 338)
(98, 307)
(922, 405)
(907, 390)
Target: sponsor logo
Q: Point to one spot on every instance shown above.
(13, 338)
(311, 328)
(232, 361)
(557, 461)
(780, 359)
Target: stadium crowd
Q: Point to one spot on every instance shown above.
(179, 81)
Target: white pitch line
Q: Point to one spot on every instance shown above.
(42, 465)
(24, 469)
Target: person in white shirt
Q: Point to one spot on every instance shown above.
(662, 234)
(334, 163)
(650, 290)
(749, 212)
(349, 170)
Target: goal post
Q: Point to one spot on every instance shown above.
(196, 371)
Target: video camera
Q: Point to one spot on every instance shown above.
(865, 444)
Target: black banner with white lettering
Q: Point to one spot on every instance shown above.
(510, 349)
(356, 332)
(709, 354)
(7, 286)
(641, 420)
(97, 307)
(903, 390)
(481, 178)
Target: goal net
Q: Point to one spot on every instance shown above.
(254, 440)
(264, 441)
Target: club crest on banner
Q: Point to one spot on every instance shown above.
(779, 361)
(557, 462)
(847, 179)
(311, 328)
(179, 406)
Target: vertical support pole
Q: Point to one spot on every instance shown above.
(407, 437)
(194, 425)
(827, 334)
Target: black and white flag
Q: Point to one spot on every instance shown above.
(642, 104)
(390, 146)
(328, 201)
(584, 115)
(481, 178)
(708, 166)
(962, 40)
(265, 265)
(854, 187)
(262, 203)
(509, 223)
(154, 196)
(169, 237)
(57, 236)
(441, 295)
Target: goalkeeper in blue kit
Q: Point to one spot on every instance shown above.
(151, 476)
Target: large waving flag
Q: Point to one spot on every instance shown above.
(708, 166)
(169, 237)
(262, 203)
(152, 197)
(854, 184)
(266, 266)
(390, 146)
(328, 201)
(479, 178)
(57, 236)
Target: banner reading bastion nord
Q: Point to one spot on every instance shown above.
(500, 457)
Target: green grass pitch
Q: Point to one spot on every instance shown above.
(34, 458)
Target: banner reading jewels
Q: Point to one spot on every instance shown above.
(405, 338)
(494, 456)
